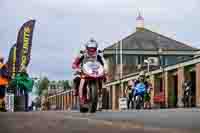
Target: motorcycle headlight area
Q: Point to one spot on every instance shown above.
(93, 68)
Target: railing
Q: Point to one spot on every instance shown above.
(63, 101)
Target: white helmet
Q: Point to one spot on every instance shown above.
(91, 47)
(142, 73)
(91, 44)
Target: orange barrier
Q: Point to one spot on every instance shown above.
(160, 98)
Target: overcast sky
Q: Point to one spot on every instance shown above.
(62, 26)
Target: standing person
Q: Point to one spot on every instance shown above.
(147, 95)
(187, 89)
(3, 83)
(129, 94)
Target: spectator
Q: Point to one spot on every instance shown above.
(129, 94)
(3, 83)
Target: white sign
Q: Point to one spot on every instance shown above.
(9, 102)
(122, 103)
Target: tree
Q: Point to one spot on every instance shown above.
(43, 86)
(66, 85)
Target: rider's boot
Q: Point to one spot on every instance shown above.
(76, 83)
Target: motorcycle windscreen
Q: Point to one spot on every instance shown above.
(93, 69)
(139, 89)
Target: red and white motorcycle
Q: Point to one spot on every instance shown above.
(92, 74)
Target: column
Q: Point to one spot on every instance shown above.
(69, 105)
(56, 102)
(181, 78)
(166, 87)
(153, 90)
(62, 102)
(187, 75)
(110, 97)
(65, 101)
(171, 89)
(60, 97)
(113, 97)
(198, 85)
(59, 101)
(68, 99)
(117, 95)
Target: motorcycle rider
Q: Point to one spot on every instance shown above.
(91, 50)
(141, 87)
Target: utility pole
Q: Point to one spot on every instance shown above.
(121, 61)
(121, 68)
(120, 74)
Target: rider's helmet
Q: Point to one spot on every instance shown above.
(91, 47)
(141, 76)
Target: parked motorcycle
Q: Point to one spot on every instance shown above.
(91, 74)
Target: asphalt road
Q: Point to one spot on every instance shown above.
(162, 118)
(166, 121)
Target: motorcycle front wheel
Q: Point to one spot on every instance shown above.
(83, 109)
(138, 102)
(93, 95)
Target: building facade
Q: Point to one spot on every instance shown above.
(143, 45)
